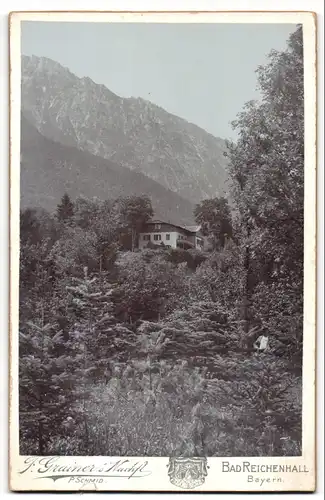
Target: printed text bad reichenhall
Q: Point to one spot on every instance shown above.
(264, 468)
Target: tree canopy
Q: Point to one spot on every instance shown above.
(155, 351)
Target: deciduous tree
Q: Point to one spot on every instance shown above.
(267, 172)
(214, 216)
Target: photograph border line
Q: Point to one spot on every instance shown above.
(12, 384)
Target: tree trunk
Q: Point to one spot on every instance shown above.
(133, 237)
(41, 447)
(40, 439)
(149, 372)
(246, 291)
(40, 423)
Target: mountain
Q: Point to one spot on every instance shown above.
(130, 132)
(49, 169)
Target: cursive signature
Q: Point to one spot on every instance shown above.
(62, 468)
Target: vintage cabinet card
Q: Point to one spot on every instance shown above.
(163, 235)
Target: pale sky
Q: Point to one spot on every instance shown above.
(201, 72)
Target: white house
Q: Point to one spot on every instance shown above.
(170, 235)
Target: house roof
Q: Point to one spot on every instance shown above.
(190, 229)
(193, 229)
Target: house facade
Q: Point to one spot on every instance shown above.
(170, 235)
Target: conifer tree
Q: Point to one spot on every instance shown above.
(65, 209)
(196, 334)
(95, 327)
(46, 382)
(135, 211)
(151, 343)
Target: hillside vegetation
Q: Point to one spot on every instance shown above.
(159, 352)
(49, 169)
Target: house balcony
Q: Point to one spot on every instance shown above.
(184, 244)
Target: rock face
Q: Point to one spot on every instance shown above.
(130, 132)
(49, 169)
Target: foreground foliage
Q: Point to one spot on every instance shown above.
(155, 352)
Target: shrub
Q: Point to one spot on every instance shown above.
(178, 411)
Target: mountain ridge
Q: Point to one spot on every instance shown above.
(132, 132)
(49, 169)
(130, 98)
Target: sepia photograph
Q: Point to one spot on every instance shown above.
(161, 241)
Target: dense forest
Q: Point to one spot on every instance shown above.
(158, 352)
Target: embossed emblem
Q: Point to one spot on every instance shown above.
(187, 473)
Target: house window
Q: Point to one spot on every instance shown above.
(157, 237)
(146, 237)
(167, 236)
(157, 226)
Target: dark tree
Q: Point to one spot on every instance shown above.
(215, 218)
(267, 172)
(135, 212)
(65, 208)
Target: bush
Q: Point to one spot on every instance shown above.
(184, 413)
(193, 258)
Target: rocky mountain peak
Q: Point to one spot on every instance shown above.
(132, 132)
